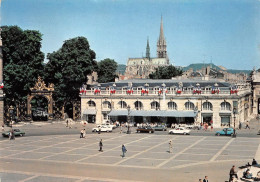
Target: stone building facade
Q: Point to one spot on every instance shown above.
(209, 73)
(256, 92)
(1, 82)
(185, 101)
(142, 67)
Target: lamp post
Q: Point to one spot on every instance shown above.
(11, 112)
(128, 120)
(196, 114)
(258, 119)
(234, 113)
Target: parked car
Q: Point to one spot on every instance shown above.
(108, 125)
(180, 130)
(145, 129)
(225, 131)
(17, 132)
(103, 128)
(160, 128)
(40, 114)
(258, 132)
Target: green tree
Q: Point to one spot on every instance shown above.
(165, 72)
(107, 70)
(23, 62)
(68, 68)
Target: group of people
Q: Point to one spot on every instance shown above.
(204, 180)
(247, 174)
(101, 148)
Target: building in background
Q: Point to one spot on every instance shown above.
(256, 92)
(208, 72)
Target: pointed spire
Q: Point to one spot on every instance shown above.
(161, 43)
(161, 38)
(148, 49)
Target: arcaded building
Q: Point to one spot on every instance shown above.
(168, 101)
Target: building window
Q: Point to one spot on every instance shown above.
(225, 121)
(225, 106)
(138, 105)
(122, 104)
(155, 105)
(207, 106)
(189, 106)
(156, 89)
(107, 105)
(172, 106)
(91, 103)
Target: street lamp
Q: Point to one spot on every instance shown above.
(258, 119)
(128, 120)
(234, 113)
(11, 113)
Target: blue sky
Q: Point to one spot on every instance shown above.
(224, 31)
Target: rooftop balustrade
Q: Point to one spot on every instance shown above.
(208, 92)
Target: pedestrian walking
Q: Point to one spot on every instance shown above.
(3, 127)
(121, 129)
(206, 126)
(206, 179)
(70, 123)
(11, 135)
(81, 134)
(84, 133)
(232, 173)
(170, 146)
(67, 122)
(99, 129)
(240, 125)
(200, 180)
(247, 125)
(101, 146)
(123, 151)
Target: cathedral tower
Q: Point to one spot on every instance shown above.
(161, 44)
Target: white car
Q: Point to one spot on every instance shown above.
(107, 124)
(103, 128)
(180, 130)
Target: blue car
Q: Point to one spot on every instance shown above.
(225, 131)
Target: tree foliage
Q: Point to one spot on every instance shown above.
(107, 70)
(68, 68)
(165, 72)
(23, 62)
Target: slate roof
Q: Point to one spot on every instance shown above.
(168, 82)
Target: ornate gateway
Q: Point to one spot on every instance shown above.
(40, 89)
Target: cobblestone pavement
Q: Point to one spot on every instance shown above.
(69, 158)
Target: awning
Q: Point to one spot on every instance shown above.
(90, 112)
(159, 113)
(118, 113)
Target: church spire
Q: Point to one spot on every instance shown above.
(161, 37)
(161, 43)
(148, 49)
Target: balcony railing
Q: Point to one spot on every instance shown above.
(170, 92)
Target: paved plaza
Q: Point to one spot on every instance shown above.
(69, 158)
